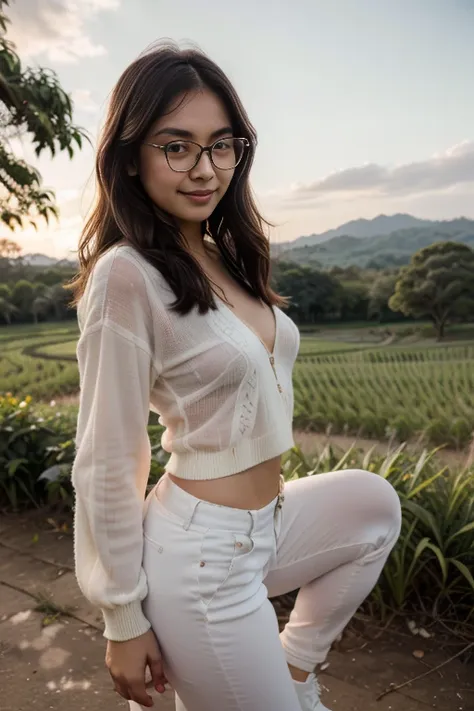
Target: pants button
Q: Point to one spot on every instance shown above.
(239, 544)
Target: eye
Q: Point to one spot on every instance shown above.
(178, 147)
(224, 144)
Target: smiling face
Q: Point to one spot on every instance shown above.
(190, 196)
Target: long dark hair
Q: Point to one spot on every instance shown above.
(124, 212)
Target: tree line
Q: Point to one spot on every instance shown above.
(437, 284)
(30, 294)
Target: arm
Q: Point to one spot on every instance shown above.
(118, 365)
(117, 370)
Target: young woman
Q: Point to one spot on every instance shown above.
(177, 315)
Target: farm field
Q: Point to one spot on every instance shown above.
(28, 367)
(372, 382)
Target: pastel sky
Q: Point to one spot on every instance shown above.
(362, 106)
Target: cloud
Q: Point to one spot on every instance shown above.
(441, 172)
(83, 101)
(56, 28)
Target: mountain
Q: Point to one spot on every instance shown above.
(381, 225)
(43, 260)
(39, 260)
(379, 251)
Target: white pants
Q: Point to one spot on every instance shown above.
(212, 568)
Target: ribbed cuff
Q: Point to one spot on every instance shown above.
(124, 622)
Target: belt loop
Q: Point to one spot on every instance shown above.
(189, 520)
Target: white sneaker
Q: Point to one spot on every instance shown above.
(309, 693)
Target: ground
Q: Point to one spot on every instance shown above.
(51, 661)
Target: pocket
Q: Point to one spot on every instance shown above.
(219, 552)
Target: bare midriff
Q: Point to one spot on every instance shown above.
(252, 489)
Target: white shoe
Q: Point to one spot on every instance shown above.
(309, 693)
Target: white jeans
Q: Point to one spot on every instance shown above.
(212, 568)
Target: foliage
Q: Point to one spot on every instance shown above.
(9, 249)
(29, 445)
(438, 283)
(37, 449)
(387, 392)
(32, 103)
(317, 296)
(430, 569)
(26, 301)
(380, 293)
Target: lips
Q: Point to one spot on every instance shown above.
(199, 193)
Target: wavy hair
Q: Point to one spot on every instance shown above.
(123, 212)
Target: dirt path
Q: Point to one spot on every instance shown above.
(311, 442)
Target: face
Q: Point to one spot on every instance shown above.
(191, 196)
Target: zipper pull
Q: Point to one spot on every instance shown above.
(272, 363)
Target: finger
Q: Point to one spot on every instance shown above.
(137, 693)
(157, 675)
(121, 690)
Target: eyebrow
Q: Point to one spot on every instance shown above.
(182, 133)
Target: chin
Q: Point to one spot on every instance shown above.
(198, 214)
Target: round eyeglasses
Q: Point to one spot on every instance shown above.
(183, 156)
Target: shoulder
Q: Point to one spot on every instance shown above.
(119, 289)
(119, 262)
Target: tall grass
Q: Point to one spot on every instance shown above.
(431, 568)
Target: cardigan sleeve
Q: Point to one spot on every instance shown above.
(118, 366)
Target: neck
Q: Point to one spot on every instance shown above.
(194, 238)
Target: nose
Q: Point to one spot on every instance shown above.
(204, 170)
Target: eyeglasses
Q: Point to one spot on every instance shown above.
(183, 156)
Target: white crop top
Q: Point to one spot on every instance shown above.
(226, 404)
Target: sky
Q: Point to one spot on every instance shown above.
(362, 107)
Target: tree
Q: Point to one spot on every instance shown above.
(23, 295)
(50, 300)
(314, 294)
(7, 308)
(439, 283)
(9, 249)
(380, 292)
(33, 103)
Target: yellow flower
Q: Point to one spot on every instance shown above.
(14, 401)
(28, 399)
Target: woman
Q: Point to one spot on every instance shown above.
(176, 314)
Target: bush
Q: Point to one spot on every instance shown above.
(430, 568)
(37, 449)
(32, 444)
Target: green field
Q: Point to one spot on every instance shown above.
(39, 360)
(361, 381)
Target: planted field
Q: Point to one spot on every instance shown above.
(28, 367)
(356, 382)
(389, 391)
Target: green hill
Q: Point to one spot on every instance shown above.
(381, 251)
